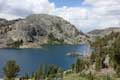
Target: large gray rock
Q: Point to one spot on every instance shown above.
(39, 29)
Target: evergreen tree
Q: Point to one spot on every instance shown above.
(11, 70)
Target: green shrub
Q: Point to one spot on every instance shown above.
(11, 70)
(79, 66)
(48, 71)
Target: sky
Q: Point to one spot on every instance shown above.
(86, 15)
(68, 3)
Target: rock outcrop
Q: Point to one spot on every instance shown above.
(36, 30)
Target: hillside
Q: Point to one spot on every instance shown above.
(106, 52)
(36, 30)
(102, 32)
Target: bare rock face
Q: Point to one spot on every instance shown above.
(5, 27)
(38, 29)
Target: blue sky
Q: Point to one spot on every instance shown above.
(68, 3)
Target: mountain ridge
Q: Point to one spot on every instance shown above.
(36, 30)
(104, 31)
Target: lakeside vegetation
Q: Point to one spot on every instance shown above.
(53, 72)
(107, 47)
(102, 64)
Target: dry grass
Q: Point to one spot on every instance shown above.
(73, 76)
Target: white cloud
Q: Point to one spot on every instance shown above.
(9, 16)
(103, 13)
(93, 14)
(90, 15)
(25, 7)
(74, 15)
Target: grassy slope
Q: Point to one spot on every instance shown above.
(73, 76)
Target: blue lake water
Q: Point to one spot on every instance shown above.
(30, 59)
